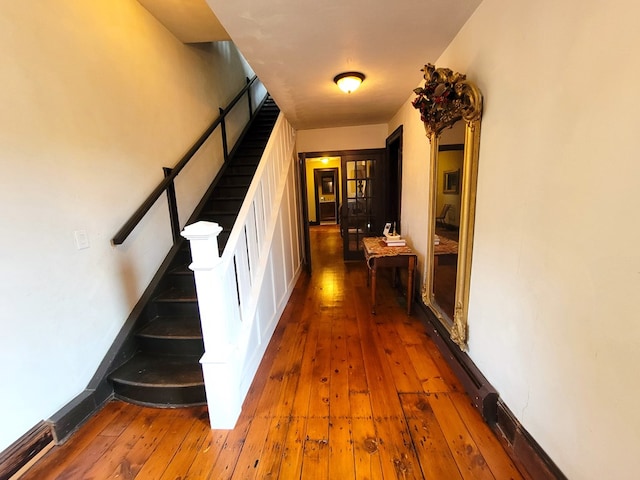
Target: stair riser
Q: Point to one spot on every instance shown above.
(229, 192)
(233, 180)
(223, 206)
(241, 169)
(164, 397)
(255, 152)
(183, 281)
(171, 346)
(176, 308)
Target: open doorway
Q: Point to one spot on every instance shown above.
(327, 195)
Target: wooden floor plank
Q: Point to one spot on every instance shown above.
(435, 461)
(291, 465)
(428, 373)
(228, 456)
(490, 447)
(253, 448)
(397, 455)
(365, 449)
(206, 458)
(90, 457)
(341, 460)
(315, 451)
(186, 453)
(339, 370)
(271, 460)
(400, 364)
(126, 441)
(470, 461)
(340, 394)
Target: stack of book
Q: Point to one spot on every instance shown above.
(394, 241)
(436, 240)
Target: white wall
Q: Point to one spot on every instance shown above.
(96, 98)
(556, 268)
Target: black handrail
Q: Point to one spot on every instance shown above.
(139, 214)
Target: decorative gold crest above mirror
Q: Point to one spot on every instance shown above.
(446, 100)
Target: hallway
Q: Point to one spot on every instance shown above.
(340, 394)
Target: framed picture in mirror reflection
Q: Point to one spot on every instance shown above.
(451, 182)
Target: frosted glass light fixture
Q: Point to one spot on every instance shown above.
(349, 81)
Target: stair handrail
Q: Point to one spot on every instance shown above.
(170, 174)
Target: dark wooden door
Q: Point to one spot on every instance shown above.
(392, 185)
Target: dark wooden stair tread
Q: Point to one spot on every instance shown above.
(173, 327)
(177, 295)
(147, 370)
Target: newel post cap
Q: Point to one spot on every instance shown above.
(201, 230)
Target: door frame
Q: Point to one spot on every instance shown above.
(302, 174)
(393, 177)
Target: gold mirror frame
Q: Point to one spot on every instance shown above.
(446, 98)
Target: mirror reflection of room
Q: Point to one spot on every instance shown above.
(447, 222)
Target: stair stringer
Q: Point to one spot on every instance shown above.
(243, 293)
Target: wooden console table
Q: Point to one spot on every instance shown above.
(377, 254)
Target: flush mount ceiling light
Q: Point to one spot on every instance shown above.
(349, 81)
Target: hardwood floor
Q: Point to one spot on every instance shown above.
(340, 394)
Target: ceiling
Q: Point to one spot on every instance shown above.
(296, 47)
(191, 21)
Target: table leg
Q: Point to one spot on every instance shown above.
(373, 289)
(410, 270)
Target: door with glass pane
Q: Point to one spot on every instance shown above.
(360, 204)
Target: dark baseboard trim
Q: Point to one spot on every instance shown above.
(483, 396)
(74, 414)
(20, 452)
(523, 447)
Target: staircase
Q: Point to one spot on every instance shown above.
(165, 371)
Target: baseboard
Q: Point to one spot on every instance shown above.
(525, 450)
(23, 450)
(75, 413)
(483, 396)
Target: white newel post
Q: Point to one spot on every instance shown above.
(219, 362)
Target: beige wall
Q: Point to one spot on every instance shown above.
(552, 321)
(96, 98)
(342, 138)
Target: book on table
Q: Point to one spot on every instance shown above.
(394, 241)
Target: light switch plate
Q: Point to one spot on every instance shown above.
(82, 239)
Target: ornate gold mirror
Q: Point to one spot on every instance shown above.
(451, 108)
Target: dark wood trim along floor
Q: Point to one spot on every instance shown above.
(23, 450)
